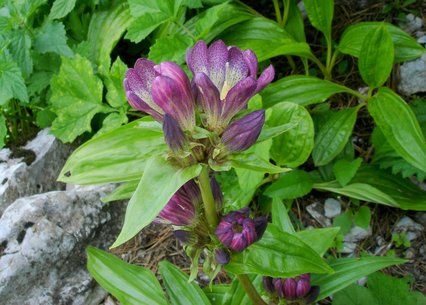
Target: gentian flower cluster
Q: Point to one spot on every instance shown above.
(297, 290)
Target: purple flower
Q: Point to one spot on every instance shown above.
(237, 230)
(159, 90)
(222, 256)
(225, 79)
(217, 193)
(243, 133)
(174, 136)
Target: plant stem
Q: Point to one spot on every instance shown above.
(250, 290)
(278, 12)
(207, 195)
(286, 4)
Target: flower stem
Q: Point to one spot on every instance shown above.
(207, 195)
(250, 290)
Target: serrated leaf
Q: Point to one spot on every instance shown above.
(320, 14)
(116, 95)
(293, 147)
(161, 50)
(376, 57)
(399, 125)
(130, 284)
(61, 8)
(362, 217)
(45, 118)
(179, 290)
(141, 27)
(112, 121)
(51, 37)
(38, 81)
(291, 185)
(3, 131)
(145, 203)
(20, 46)
(12, 85)
(345, 170)
(405, 47)
(76, 98)
(333, 135)
(302, 90)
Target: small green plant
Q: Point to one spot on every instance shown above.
(400, 240)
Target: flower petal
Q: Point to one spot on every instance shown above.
(236, 70)
(218, 56)
(197, 58)
(265, 78)
(238, 243)
(208, 98)
(137, 103)
(174, 136)
(251, 61)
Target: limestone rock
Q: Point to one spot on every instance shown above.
(332, 208)
(413, 76)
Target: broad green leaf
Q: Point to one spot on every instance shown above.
(302, 90)
(112, 121)
(333, 135)
(271, 132)
(159, 182)
(293, 147)
(38, 81)
(405, 47)
(354, 295)
(139, 8)
(319, 239)
(51, 37)
(399, 125)
(3, 131)
(345, 170)
(253, 162)
(348, 270)
(123, 192)
(61, 8)
(376, 57)
(295, 24)
(130, 284)
(119, 155)
(20, 46)
(278, 254)
(116, 95)
(280, 216)
(12, 84)
(45, 118)
(320, 14)
(291, 185)
(179, 290)
(362, 217)
(343, 222)
(161, 50)
(76, 98)
(216, 293)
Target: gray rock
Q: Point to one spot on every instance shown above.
(316, 210)
(43, 240)
(413, 77)
(332, 208)
(348, 248)
(410, 253)
(411, 228)
(412, 24)
(18, 179)
(357, 234)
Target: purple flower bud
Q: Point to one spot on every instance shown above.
(237, 230)
(297, 288)
(312, 295)
(174, 136)
(185, 237)
(217, 193)
(268, 285)
(243, 133)
(222, 256)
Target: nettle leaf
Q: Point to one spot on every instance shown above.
(345, 170)
(405, 47)
(116, 95)
(61, 8)
(112, 121)
(333, 135)
(320, 14)
(3, 131)
(76, 98)
(51, 37)
(161, 50)
(399, 125)
(300, 89)
(12, 84)
(20, 46)
(146, 203)
(376, 57)
(293, 147)
(179, 290)
(130, 284)
(291, 185)
(117, 156)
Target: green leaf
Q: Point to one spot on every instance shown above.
(20, 46)
(179, 290)
(399, 125)
(291, 185)
(161, 50)
(3, 131)
(354, 295)
(51, 37)
(216, 293)
(271, 132)
(344, 222)
(280, 216)
(130, 284)
(142, 26)
(253, 162)
(146, 203)
(236, 293)
(12, 85)
(119, 155)
(376, 57)
(293, 147)
(363, 217)
(345, 170)
(61, 8)
(320, 14)
(116, 95)
(319, 239)
(45, 118)
(333, 135)
(302, 90)
(405, 47)
(112, 121)
(278, 254)
(295, 24)
(76, 98)
(348, 270)
(124, 191)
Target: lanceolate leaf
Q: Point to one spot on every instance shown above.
(399, 125)
(319, 239)
(236, 293)
(291, 185)
(124, 191)
(116, 96)
(376, 57)
(406, 47)
(348, 270)
(302, 90)
(333, 135)
(130, 284)
(158, 184)
(320, 14)
(179, 290)
(280, 216)
(216, 293)
(254, 162)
